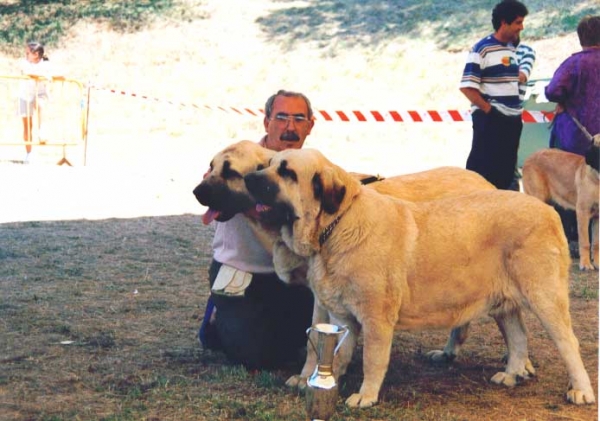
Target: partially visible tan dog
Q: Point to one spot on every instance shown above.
(376, 262)
(562, 177)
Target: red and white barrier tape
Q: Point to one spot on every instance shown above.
(410, 116)
(420, 116)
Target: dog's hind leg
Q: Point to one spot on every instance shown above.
(553, 313)
(583, 234)
(457, 337)
(515, 336)
(539, 269)
(595, 246)
(545, 287)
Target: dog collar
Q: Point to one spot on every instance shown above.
(326, 233)
(372, 179)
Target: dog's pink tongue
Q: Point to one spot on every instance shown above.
(209, 216)
(262, 208)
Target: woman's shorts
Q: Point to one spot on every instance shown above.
(27, 106)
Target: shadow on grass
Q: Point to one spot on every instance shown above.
(98, 321)
(342, 24)
(49, 21)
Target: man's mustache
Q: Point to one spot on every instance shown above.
(289, 136)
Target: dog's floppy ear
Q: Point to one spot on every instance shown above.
(592, 157)
(328, 189)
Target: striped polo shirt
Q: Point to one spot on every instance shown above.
(492, 69)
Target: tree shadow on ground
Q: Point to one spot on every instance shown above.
(50, 21)
(451, 25)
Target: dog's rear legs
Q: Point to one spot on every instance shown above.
(457, 337)
(557, 322)
(595, 244)
(515, 336)
(583, 222)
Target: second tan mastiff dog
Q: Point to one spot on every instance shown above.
(377, 262)
(562, 177)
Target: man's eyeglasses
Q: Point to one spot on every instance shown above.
(283, 118)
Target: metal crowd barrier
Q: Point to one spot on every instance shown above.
(61, 123)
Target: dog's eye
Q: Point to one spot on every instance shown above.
(285, 172)
(227, 173)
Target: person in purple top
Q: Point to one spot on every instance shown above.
(575, 87)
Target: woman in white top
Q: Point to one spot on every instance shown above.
(33, 93)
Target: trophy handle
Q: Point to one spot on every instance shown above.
(309, 341)
(346, 331)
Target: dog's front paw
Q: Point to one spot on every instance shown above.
(586, 266)
(358, 400)
(506, 379)
(530, 371)
(440, 357)
(296, 381)
(579, 397)
(510, 379)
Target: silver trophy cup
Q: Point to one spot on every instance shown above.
(322, 388)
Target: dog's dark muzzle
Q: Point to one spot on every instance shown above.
(263, 189)
(205, 194)
(276, 213)
(219, 197)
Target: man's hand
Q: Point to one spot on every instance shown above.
(522, 77)
(476, 99)
(558, 109)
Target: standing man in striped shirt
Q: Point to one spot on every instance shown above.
(490, 81)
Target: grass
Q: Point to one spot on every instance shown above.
(51, 21)
(350, 24)
(84, 345)
(451, 25)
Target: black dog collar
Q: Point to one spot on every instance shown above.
(328, 230)
(371, 179)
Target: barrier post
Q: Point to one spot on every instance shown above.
(58, 117)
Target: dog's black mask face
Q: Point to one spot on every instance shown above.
(223, 202)
(224, 193)
(273, 213)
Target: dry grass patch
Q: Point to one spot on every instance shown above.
(98, 321)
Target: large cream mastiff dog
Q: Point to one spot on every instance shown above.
(376, 262)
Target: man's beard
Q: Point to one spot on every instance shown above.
(289, 136)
